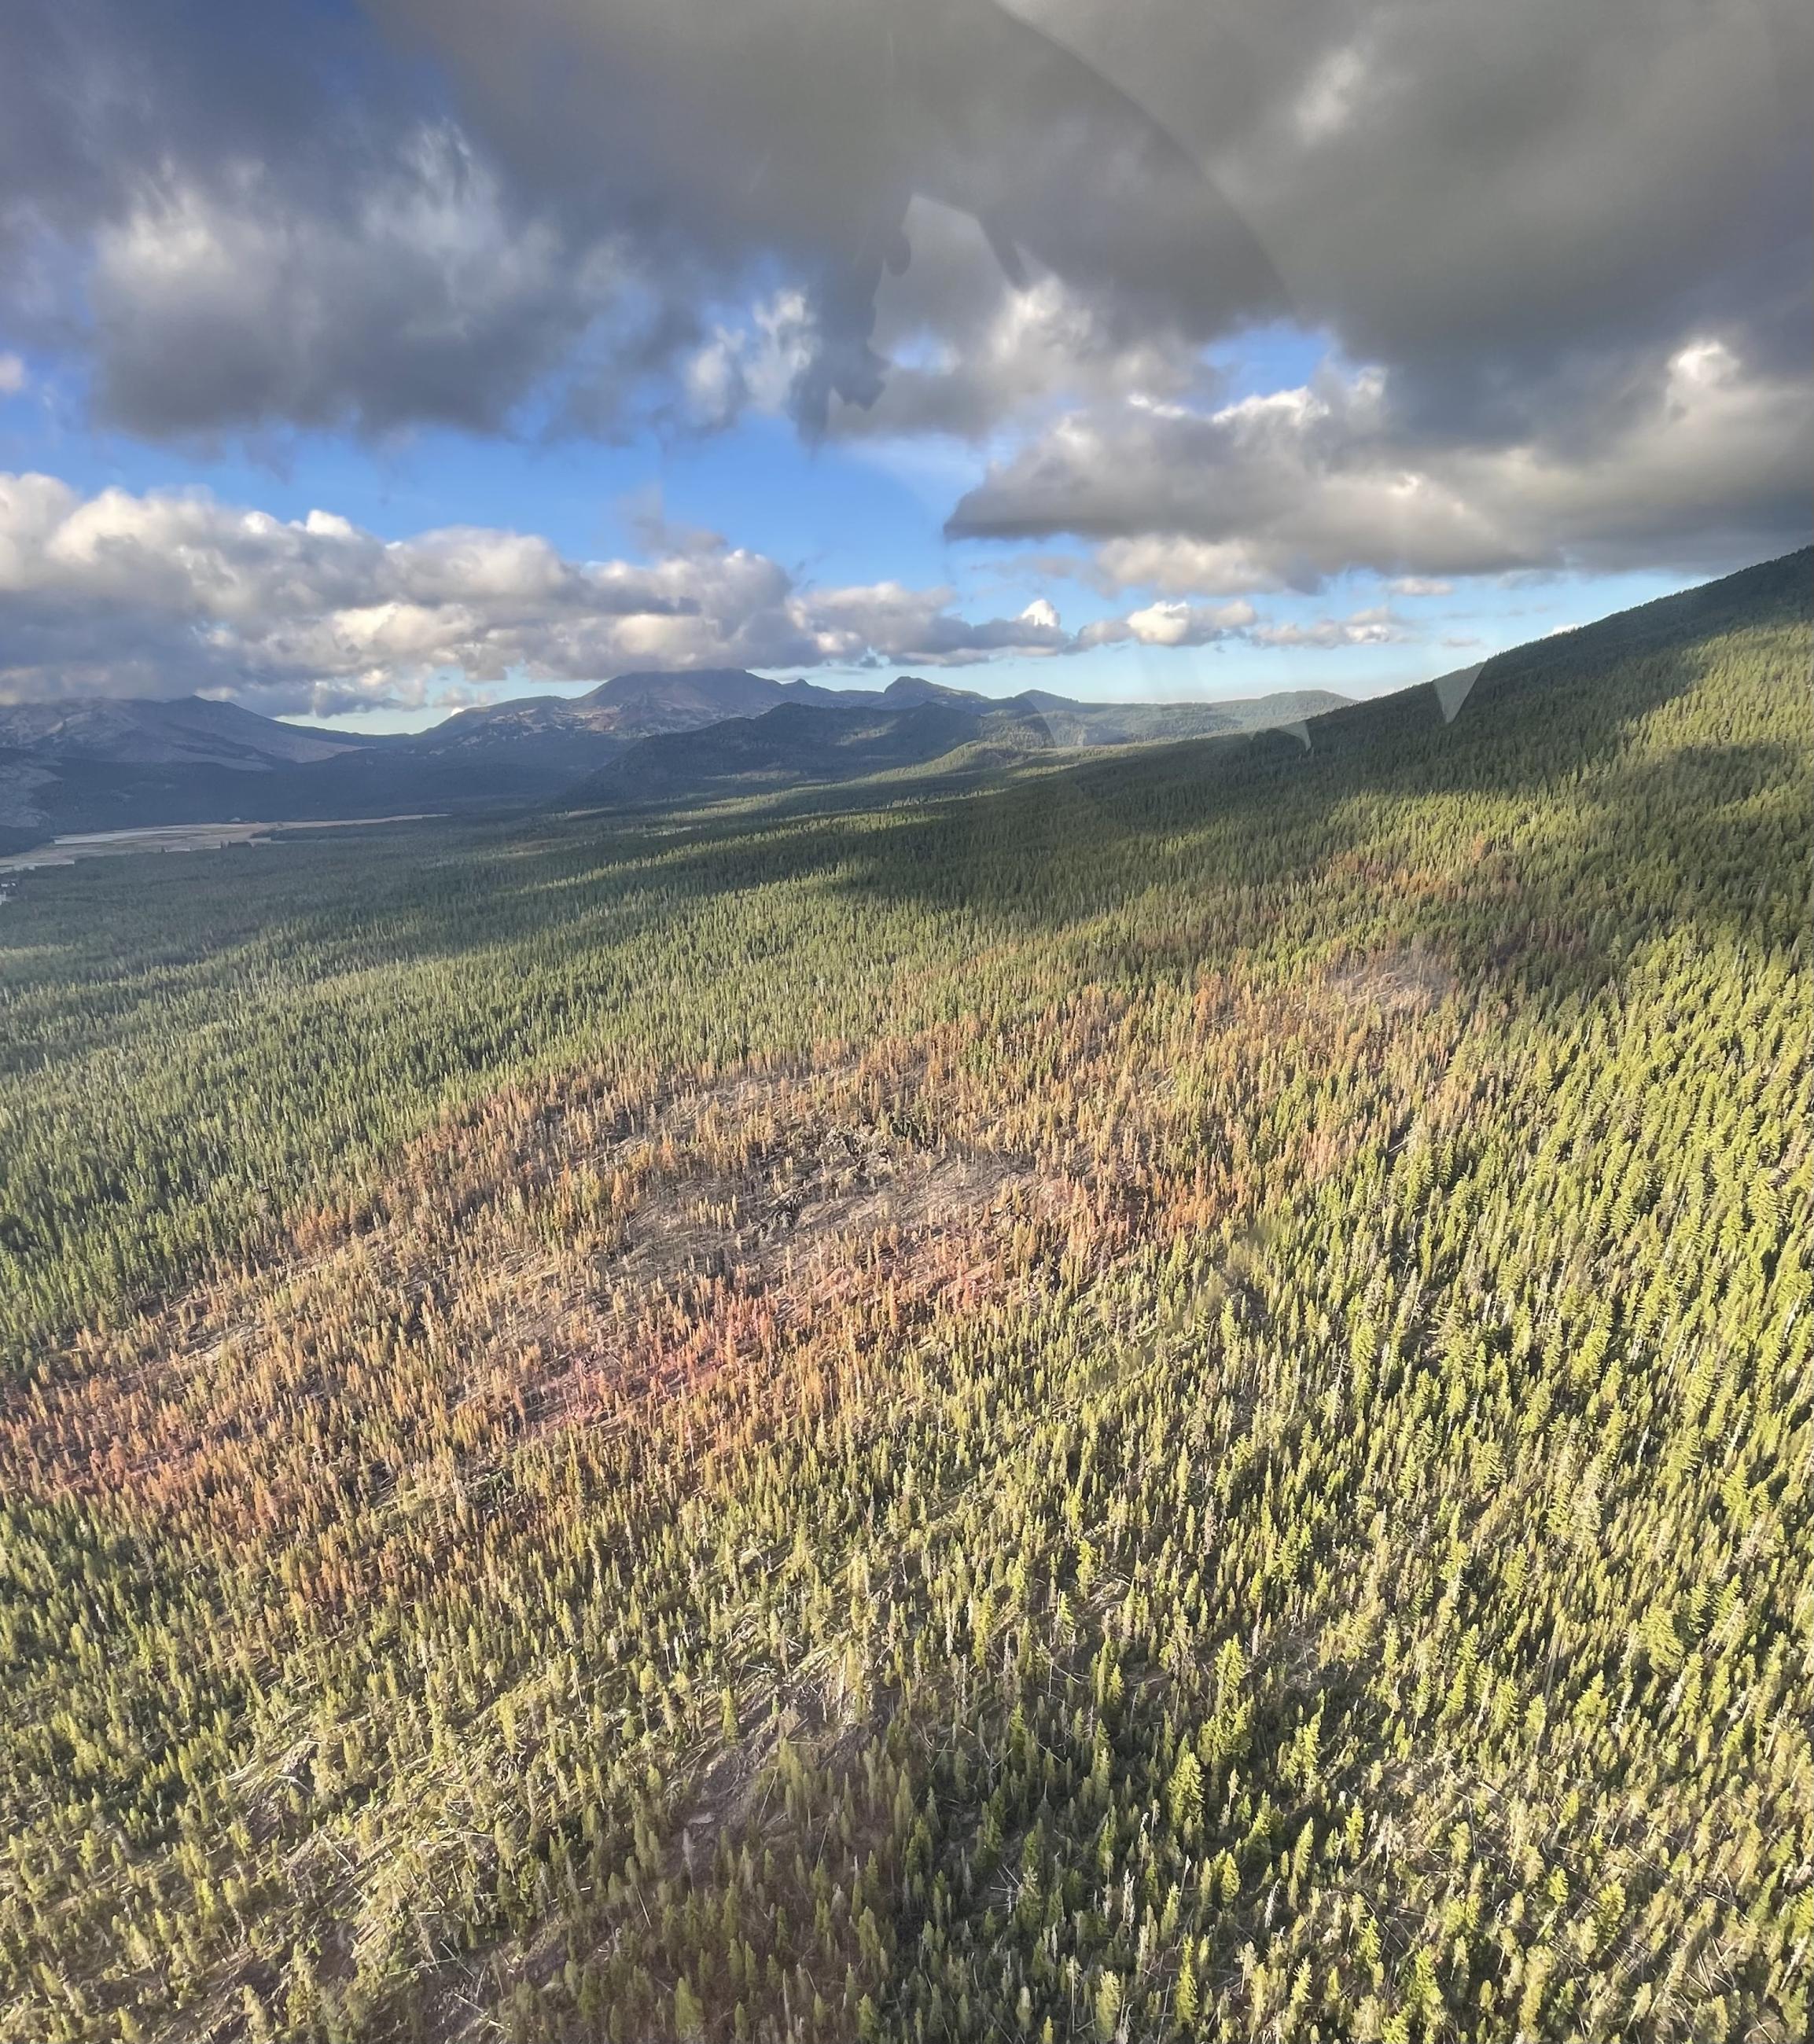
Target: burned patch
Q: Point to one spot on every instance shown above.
(546, 1262)
(855, 1180)
(1407, 981)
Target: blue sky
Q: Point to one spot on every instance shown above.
(832, 512)
(1192, 357)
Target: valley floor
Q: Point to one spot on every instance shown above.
(1167, 1399)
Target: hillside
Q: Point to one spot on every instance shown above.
(1166, 1397)
(794, 746)
(103, 765)
(617, 713)
(1071, 723)
(910, 723)
(189, 730)
(107, 765)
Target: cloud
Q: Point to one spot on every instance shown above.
(1175, 625)
(234, 222)
(13, 377)
(802, 131)
(428, 298)
(970, 355)
(753, 366)
(1442, 182)
(170, 592)
(1503, 204)
(1008, 227)
(1374, 626)
(1708, 463)
(1168, 562)
(1496, 201)
(438, 211)
(174, 591)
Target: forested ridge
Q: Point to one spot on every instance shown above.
(1165, 1397)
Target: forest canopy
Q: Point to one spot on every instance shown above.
(1164, 1395)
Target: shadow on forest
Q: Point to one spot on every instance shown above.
(1684, 836)
(1045, 849)
(1693, 837)
(1532, 844)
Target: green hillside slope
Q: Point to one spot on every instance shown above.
(1169, 1397)
(912, 724)
(794, 745)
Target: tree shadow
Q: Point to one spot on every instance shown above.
(1551, 826)
(1045, 844)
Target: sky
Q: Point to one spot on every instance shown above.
(358, 362)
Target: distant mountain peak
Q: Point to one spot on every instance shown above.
(713, 684)
(914, 688)
(143, 731)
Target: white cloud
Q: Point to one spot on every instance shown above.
(1327, 102)
(169, 592)
(1704, 462)
(970, 355)
(13, 378)
(159, 595)
(1374, 626)
(756, 365)
(1188, 624)
(888, 622)
(1178, 566)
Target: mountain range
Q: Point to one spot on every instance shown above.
(116, 764)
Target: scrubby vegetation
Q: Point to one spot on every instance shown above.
(1168, 1398)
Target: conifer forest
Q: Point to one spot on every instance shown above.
(1166, 1393)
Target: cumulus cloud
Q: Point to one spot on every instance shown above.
(962, 218)
(1174, 623)
(755, 364)
(1707, 463)
(972, 355)
(1441, 181)
(1373, 627)
(1177, 624)
(803, 131)
(174, 591)
(438, 204)
(428, 298)
(169, 592)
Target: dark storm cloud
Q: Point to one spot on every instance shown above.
(263, 197)
(911, 217)
(1492, 197)
(804, 129)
